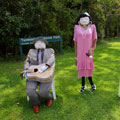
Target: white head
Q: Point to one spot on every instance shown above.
(40, 44)
(84, 19)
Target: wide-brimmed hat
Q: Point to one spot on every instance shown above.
(40, 39)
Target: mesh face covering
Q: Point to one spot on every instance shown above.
(40, 45)
(84, 20)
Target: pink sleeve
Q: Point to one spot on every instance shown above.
(74, 37)
(94, 34)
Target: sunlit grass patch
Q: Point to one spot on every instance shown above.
(104, 104)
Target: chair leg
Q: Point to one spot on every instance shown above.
(53, 90)
(28, 98)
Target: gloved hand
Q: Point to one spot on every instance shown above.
(42, 69)
(90, 51)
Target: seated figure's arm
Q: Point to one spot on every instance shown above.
(51, 60)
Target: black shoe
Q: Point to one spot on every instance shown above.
(82, 89)
(93, 87)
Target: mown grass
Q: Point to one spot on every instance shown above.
(104, 104)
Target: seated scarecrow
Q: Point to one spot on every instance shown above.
(43, 57)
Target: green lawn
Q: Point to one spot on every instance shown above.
(104, 104)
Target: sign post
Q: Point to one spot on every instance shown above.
(28, 41)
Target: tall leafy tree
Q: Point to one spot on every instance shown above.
(29, 18)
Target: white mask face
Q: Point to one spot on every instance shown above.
(40, 45)
(84, 21)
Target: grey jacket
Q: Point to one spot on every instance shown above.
(48, 57)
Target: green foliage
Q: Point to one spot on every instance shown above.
(29, 18)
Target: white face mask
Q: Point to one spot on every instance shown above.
(40, 45)
(84, 21)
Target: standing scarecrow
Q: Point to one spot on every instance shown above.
(85, 38)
